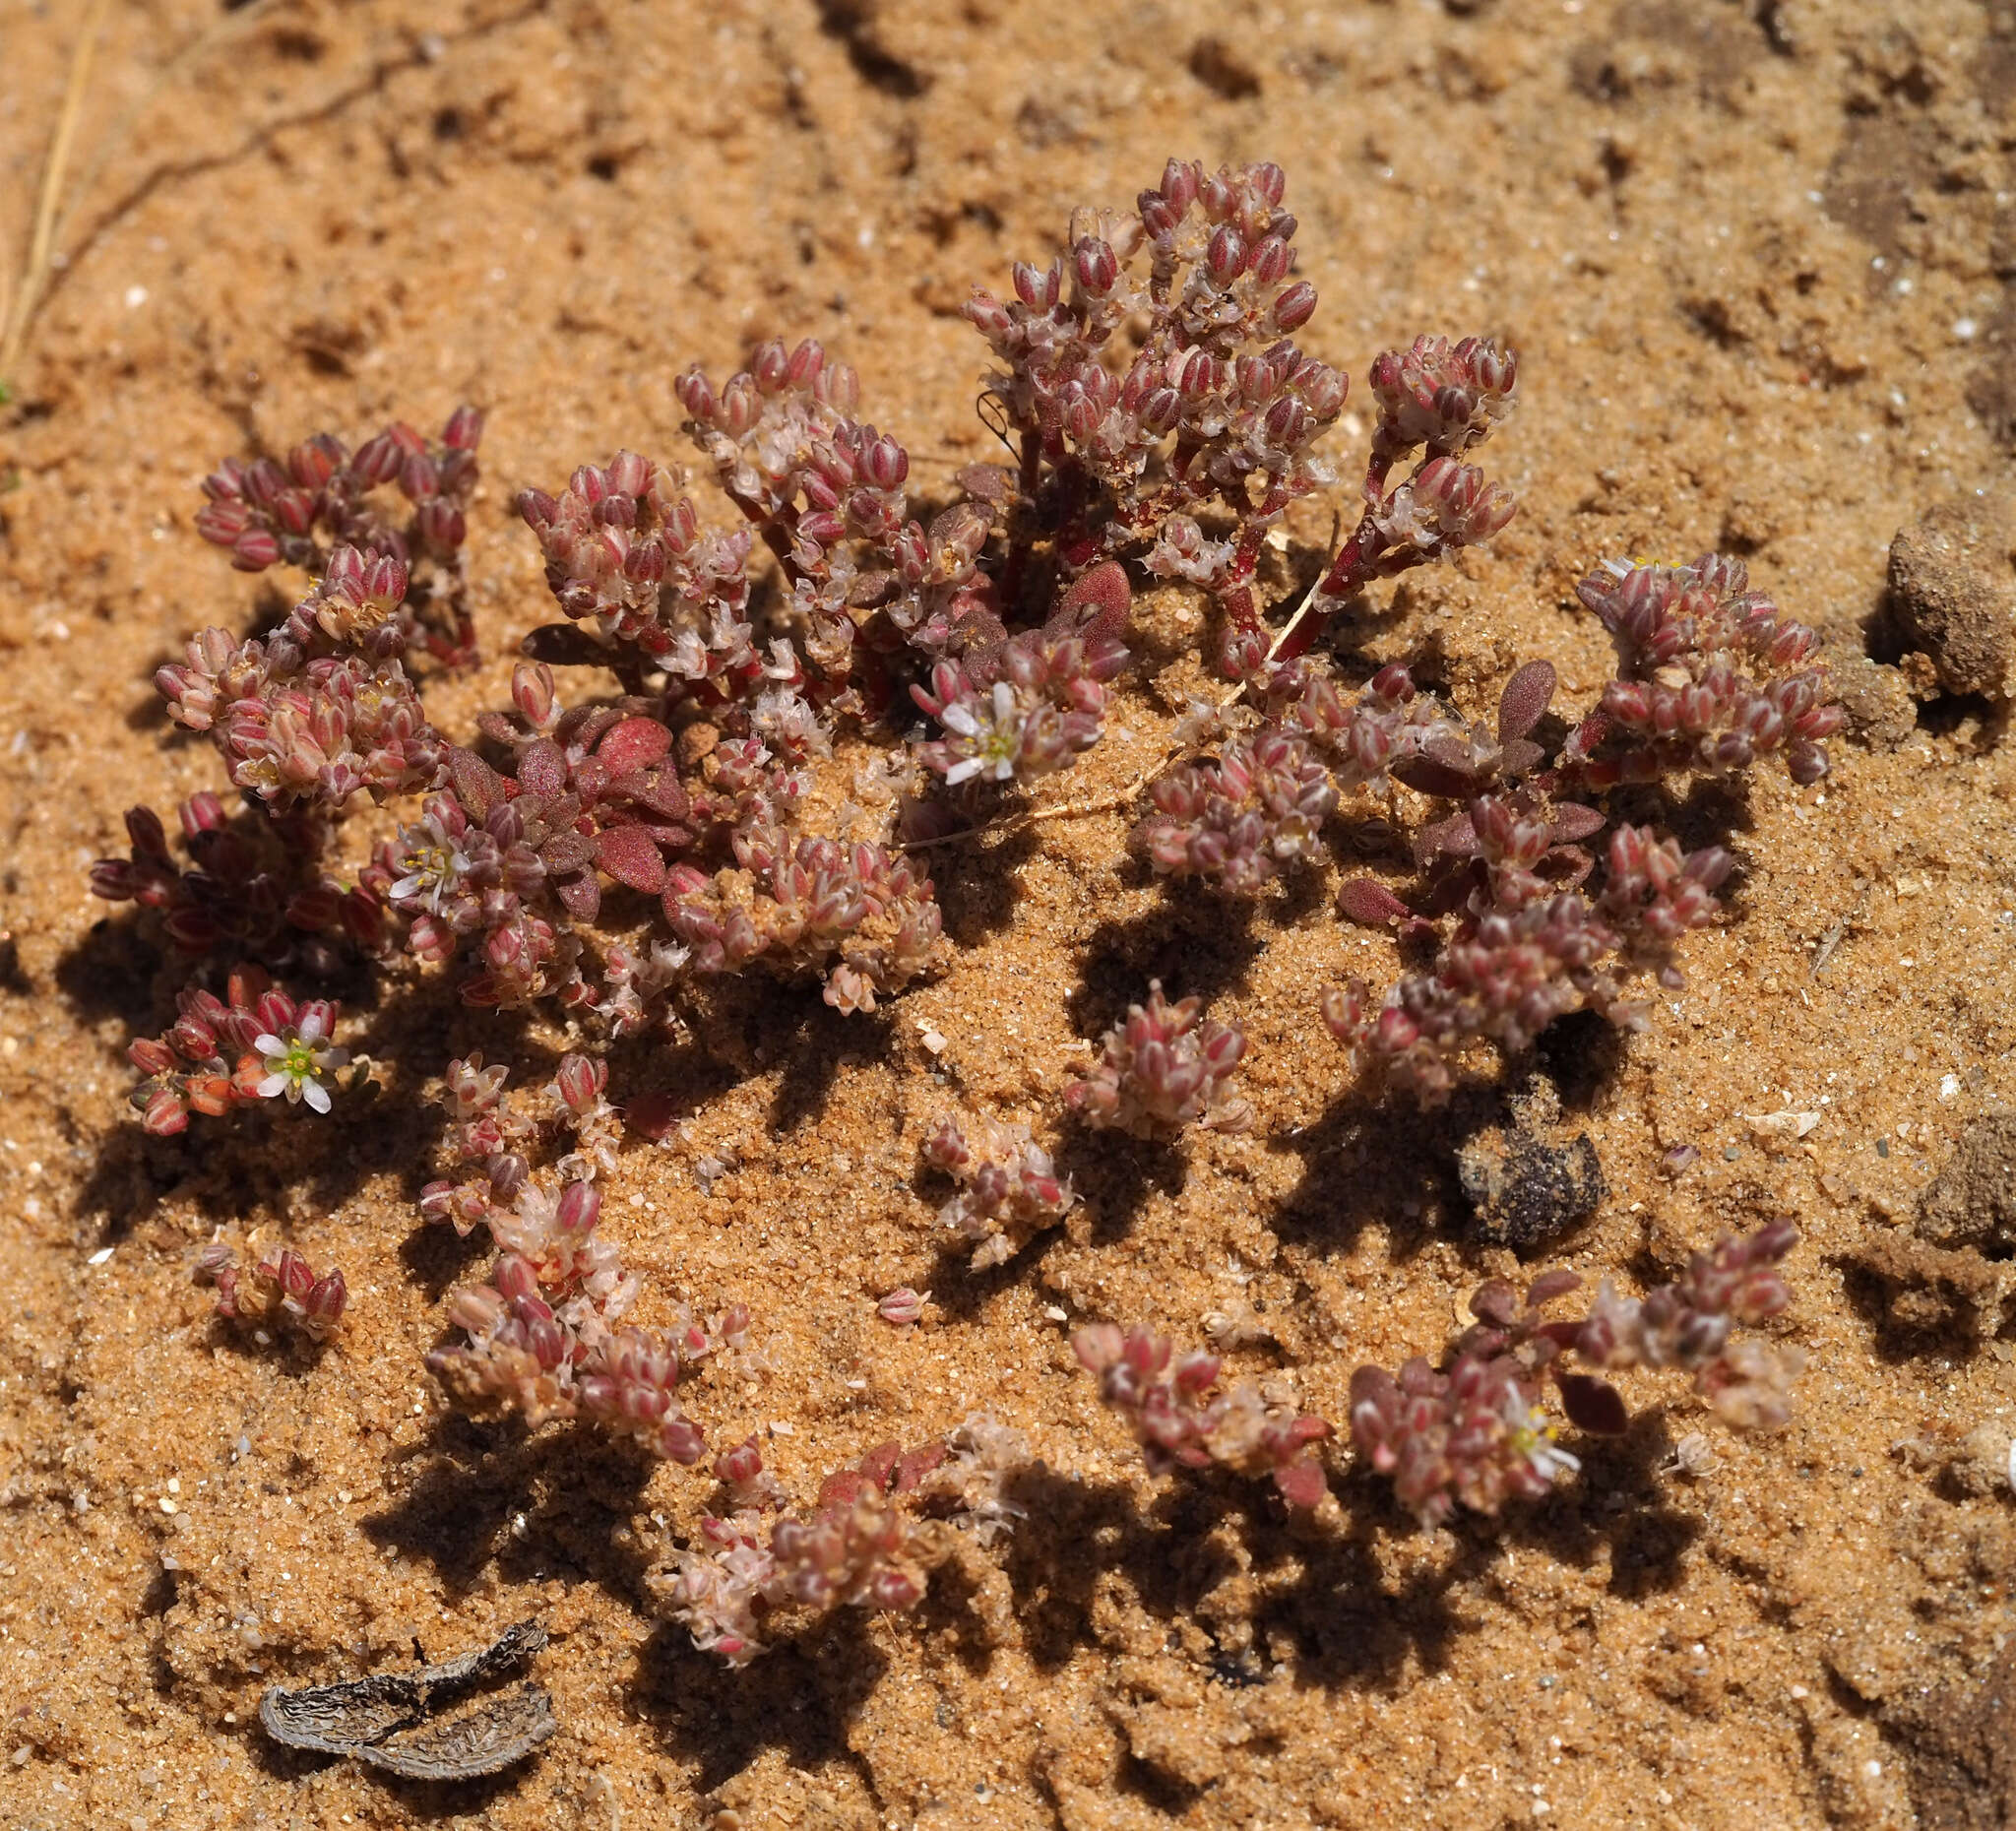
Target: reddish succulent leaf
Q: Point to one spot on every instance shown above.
(543, 768)
(651, 1116)
(565, 853)
(1593, 1405)
(581, 897)
(1096, 605)
(985, 483)
(1519, 757)
(563, 644)
(477, 786)
(631, 857)
(1301, 1484)
(1572, 821)
(914, 1465)
(1429, 776)
(632, 744)
(1496, 1302)
(658, 791)
(1370, 904)
(1526, 698)
(1454, 838)
(1551, 1285)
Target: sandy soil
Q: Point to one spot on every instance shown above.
(1756, 260)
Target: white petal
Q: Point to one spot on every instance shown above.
(316, 1095)
(1004, 701)
(331, 1058)
(958, 717)
(312, 1028)
(962, 771)
(274, 1084)
(268, 1045)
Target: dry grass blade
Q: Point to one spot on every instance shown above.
(43, 238)
(52, 216)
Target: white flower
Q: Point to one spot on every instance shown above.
(1533, 1436)
(435, 864)
(992, 743)
(296, 1062)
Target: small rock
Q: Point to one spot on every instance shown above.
(1972, 1202)
(1529, 1181)
(1882, 713)
(1954, 596)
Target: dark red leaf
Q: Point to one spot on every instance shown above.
(563, 644)
(1301, 1484)
(543, 768)
(1096, 605)
(631, 857)
(1431, 776)
(566, 854)
(658, 791)
(581, 897)
(1454, 838)
(632, 744)
(1365, 901)
(1525, 699)
(1572, 821)
(651, 1116)
(1593, 1405)
(477, 786)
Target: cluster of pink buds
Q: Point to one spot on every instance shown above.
(256, 887)
(1504, 977)
(1217, 406)
(510, 863)
(1240, 819)
(625, 550)
(1161, 1068)
(315, 503)
(543, 1339)
(255, 1043)
(1182, 1424)
(870, 1542)
(1009, 1189)
(825, 490)
(1686, 1324)
(860, 916)
(282, 1291)
(1474, 1432)
(1658, 891)
(1711, 675)
(302, 717)
(1442, 396)
(488, 1139)
(1041, 710)
(1383, 728)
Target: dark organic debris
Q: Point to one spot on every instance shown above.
(401, 1722)
(1529, 1180)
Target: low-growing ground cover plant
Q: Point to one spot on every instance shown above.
(665, 803)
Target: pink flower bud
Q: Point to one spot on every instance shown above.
(682, 1442)
(1225, 258)
(580, 1208)
(1097, 266)
(770, 367)
(1294, 307)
